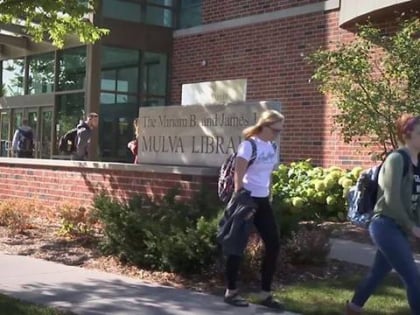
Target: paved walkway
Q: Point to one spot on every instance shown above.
(356, 253)
(89, 292)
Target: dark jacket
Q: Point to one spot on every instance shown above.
(236, 224)
(83, 136)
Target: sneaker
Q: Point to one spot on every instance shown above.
(272, 303)
(236, 300)
(351, 311)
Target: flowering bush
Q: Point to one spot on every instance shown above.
(302, 191)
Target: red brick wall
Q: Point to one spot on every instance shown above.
(58, 184)
(214, 11)
(271, 57)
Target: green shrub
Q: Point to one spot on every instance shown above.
(304, 192)
(162, 235)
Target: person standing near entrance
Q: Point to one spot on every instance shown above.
(23, 141)
(134, 144)
(84, 135)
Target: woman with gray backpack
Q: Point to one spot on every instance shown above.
(396, 216)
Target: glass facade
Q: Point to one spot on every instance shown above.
(159, 16)
(154, 79)
(119, 101)
(41, 74)
(129, 79)
(190, 13)
(13, 72)
(72, 69)
(69, 111)
(4, 133)
(154, 12)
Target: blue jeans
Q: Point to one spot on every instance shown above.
(394, 252)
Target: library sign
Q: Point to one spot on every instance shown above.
(196, 135)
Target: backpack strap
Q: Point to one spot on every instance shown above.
(407, 160)
(254, 151)
(82, 125)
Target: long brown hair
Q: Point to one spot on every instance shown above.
(267, 117)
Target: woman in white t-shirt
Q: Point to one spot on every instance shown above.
(257, 179)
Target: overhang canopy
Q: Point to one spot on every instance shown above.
(356, 11)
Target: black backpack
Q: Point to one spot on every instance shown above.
(225, 184)
(67, 142)
(25, 141)
(361, 199)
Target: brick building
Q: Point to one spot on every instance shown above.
(156, 46)
(266, 43)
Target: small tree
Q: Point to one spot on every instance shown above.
(54, 19)
(373, 80)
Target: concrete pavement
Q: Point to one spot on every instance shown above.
(89, 292)
(356, 253)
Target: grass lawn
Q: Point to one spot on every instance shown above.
(327, 297)
(10, 306)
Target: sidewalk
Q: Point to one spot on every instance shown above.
(88, 292)
(356, 253)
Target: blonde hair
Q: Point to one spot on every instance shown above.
(267, 118)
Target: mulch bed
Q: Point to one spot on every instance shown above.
(346, 231)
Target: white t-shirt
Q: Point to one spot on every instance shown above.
(258, 175)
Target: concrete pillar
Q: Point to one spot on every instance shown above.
(92, 96)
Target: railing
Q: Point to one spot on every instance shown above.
(6, 149)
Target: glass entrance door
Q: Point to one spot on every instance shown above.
(33, 120)
(17, 119)
(4, 134)
(45, 137)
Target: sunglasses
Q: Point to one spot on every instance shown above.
(275, 129)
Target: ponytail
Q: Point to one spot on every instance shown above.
(251, 131)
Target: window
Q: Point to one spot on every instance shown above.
(70, 111)
(190, 13)
(159, 15)
(156, 12)
(122, 10)
(120, 70)
(41, 74)
(168, 3)
(154, 78)
(12, 76)
(72, 69)
(119, 102)
(123, 72)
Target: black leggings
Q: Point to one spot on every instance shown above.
(267, 228)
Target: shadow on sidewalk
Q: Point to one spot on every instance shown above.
(122, 297)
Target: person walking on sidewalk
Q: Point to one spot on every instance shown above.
(397, 215)
(252, 182)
